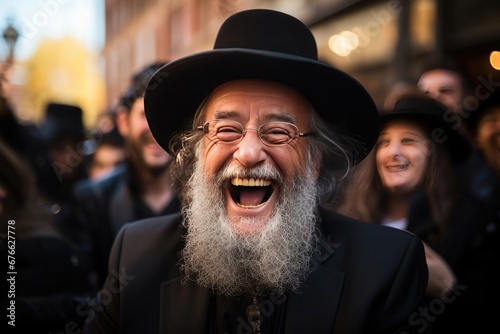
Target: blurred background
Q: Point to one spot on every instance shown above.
(84, 51)
(53, 51)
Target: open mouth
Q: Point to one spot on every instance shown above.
(398, 167)
(250, 192)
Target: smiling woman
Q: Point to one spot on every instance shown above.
(409, 161)
(409, 182)
(402, 155)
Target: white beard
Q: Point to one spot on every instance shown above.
(276, 259)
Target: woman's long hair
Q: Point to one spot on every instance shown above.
(365, 198)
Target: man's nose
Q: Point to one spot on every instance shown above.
(250, 149)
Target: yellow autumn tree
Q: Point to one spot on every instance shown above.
(64, 71)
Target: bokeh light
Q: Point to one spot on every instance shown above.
(343, 43)
(495, 60)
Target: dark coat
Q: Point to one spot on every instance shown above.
(103, 207)
(471, 246)
(366, 279)
(49, 283)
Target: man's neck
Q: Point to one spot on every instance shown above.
(156, 189)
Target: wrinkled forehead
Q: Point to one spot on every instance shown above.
(262, 97)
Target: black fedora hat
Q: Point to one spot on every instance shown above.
(62, 120)
(432, 114)
(260, 44)
(484, 107)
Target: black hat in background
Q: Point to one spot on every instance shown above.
(260, 44)
(428, 111)
(62, 120)
(493, 100)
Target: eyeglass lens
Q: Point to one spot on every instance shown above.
(271, 133)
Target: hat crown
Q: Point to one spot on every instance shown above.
(62, 119)
(420, 105)
(267, 30)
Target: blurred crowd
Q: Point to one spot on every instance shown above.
(69, 190)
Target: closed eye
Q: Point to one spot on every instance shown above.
(228, 133)
(228, 129)
(407, 140)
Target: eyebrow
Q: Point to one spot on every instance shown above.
(270, 117)
(225, 114)
(282, 117)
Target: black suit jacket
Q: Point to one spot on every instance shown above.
(366, 279)
(471, 246)
(103, 207)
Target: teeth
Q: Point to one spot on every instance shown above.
(249, 206)
(250, 182)
(397, 167)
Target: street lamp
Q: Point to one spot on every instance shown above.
(10, 36)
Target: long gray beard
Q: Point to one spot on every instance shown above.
(276, 259)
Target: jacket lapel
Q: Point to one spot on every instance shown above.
(121, 207)
(314, 308)
(183, 309)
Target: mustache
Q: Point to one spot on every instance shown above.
(258, 172)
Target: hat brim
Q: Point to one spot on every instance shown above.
(458, 146)
(176, 90)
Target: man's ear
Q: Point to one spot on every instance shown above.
(122, 122)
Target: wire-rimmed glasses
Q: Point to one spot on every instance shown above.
(271, 133)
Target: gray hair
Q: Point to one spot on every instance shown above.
(333, 147)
